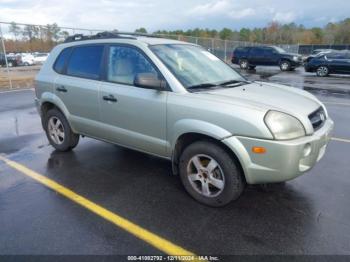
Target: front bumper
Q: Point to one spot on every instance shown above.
(283, 160)
(309, 68)
(295, 63)
(37, 105)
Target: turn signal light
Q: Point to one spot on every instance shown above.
(259, 150)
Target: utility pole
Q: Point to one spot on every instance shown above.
(4, 49)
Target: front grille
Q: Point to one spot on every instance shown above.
(317, 118)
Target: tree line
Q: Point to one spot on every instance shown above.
(276, 33)
(31, 38)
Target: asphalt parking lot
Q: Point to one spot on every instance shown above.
(306, 216)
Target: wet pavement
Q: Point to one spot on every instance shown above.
(308, 215)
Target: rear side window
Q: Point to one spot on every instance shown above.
(85, 62)
(62, 60)
(241, 50)
(256, 51)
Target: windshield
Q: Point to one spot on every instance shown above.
(193, 66)
(280, 50)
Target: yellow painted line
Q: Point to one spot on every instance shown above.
(154, 240)
(341, 139)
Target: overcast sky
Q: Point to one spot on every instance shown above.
(175, 14)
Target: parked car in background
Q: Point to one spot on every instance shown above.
(318, 51)
(11, 60)
(178, 101)
(40, 58)
(336, 62)
(315, 53)
(26, 59)
(250, 57)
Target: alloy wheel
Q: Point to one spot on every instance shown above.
(56, 130)
(322, 71)
(285, 66)
(205, 175)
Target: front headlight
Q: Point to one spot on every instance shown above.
(295, 58)
(283, 126)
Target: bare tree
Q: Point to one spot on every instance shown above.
(15, 30)
(29, 32)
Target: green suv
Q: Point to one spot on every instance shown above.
(178, 101)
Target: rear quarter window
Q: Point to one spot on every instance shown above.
(85, 62)
(241, 50)
(62, 60)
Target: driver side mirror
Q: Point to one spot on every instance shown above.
(149, 81)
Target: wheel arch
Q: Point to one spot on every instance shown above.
(49, 101)
(189, 138)
(284, 59)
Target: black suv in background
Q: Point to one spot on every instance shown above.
(250, 57)
(11, 60)
(336, 62)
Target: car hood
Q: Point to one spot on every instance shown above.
(266, 96)
(291, 54)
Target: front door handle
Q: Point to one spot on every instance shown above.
(61, 89)
(110, 98)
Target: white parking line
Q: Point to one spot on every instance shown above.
(17, 90)
(341, 139)
(336, 103)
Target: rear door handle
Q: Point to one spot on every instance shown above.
(61, 89)
(110, 98)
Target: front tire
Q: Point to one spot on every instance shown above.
(209, 174)
(285, 66)
(58, 131)
(243, 63)
(322, 71)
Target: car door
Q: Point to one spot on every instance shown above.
(77, 86)
(338, 63)
(271, 56)
(347, 69)
(256, 56)
(132, 116)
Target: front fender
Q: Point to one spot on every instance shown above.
(184, 126)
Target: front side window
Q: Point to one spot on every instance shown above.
(268, 51)
(85, 62)
(194, 66)
(338, 55)
(125, 63)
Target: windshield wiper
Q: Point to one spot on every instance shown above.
(204, 85)
(230, 82)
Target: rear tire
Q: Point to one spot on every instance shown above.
(209, 174)
(58, 131)
(322, 71)
(243, 63)
(285, 65)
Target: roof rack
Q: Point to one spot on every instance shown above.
(105, 35)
